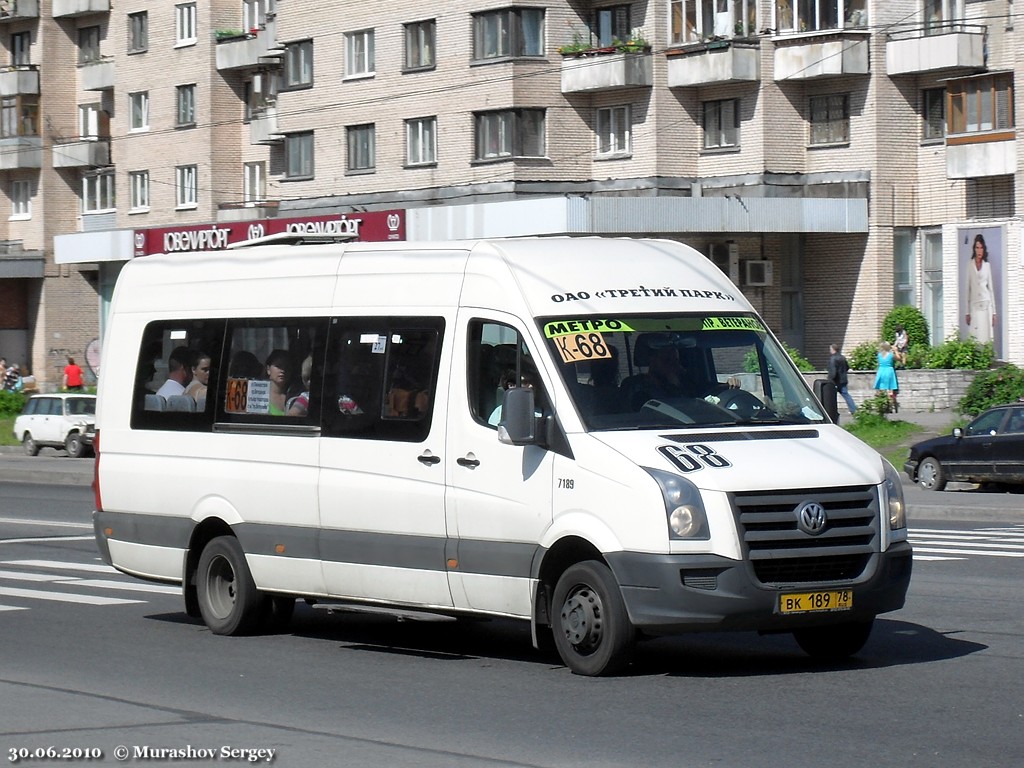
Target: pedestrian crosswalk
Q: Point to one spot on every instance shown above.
(53, 581)
(945, 544)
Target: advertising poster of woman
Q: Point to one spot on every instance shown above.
(981, 262)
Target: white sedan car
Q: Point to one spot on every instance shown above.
(62, 421)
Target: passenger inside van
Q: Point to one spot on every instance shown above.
(279, 374)
(665, 377)
(528, 380)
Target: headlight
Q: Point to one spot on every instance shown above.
(894, 497)
(683, 506)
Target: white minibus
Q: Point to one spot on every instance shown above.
(597, 436)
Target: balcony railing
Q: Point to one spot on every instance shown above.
(81, 153)
(18, 152)
(713, 63)
(936, 47)
(67, 9)
(818, 55)
(19, 80)
(245, 49)
(606, 71)
(16, 10)
(98, 75)
(263, 126)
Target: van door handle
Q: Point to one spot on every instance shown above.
(428, 458)
(468, 461)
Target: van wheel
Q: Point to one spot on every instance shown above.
(228, 599)
(31, 446)
(834, 643)
(74, 446)
(592, 631)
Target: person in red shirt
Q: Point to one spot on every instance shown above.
(72, 376)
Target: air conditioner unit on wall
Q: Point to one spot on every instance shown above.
(757, 273)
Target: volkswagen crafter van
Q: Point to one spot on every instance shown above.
(600, 437)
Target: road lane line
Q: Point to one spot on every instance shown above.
(45, 523)
(36, 594)
(60, 565)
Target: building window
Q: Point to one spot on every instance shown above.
(88, 45)
(254, 13)
(611, 24)
(255, 180)
(931, 273)
(509, 133)
(614, 131)
(186, 186)
(981, 104)
(903, 267)
(830, 119)
(939, 15)
(92, 122)
(421, 141)
(693, 21)
(298, 65)
(98, 192)
(138, 32)
(138, 110)
(260, 93)
(21, 199)
(186, 99)
(359, 53)
(362, 151)
(21, 49)
(185, 23)
(138, 181)
(721, 124)
(420, 38)
(815, 15)
(508, 32)
(298, 154)
(19, 115)
(933, 114)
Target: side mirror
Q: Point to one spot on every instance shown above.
(958, 432)
(518, 425)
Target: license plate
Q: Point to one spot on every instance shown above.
(813, 602)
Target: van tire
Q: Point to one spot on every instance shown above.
(834, 643)
(74, 446)
(30, 446)
(229, 602)
(592, 631)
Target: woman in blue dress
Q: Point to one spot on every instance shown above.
(885, 378)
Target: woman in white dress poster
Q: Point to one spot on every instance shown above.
(981, 299)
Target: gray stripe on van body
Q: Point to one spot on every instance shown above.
(393, 550)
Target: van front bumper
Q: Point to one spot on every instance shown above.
(669, 594)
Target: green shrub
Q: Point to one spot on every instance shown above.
(963, 354)
(994, 387)
(863, 357)
(11, 403)
(872, 410)
(917, 356)
(912, 321)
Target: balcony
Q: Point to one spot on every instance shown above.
(19, 80)
(606, 71)
(69, 9)
(246, 50)
(15, 261)
(713, 63)
(18, 152)
(820, 55)
(81, 153)
(97, 75)
(950, 47)
(973, 156)
(263, 126)
(17, 10)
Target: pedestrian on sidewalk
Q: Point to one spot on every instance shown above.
(838, 374)
(885, 376)
(73, 376)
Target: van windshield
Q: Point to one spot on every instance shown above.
(671, 371)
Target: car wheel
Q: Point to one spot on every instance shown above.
(833, 643)
(592, 631)
(31, 446)
(228, 599)
(73, 445)
(930, 475)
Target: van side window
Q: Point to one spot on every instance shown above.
(273, 372)
(381, 377)
(173, 359)
(498, 359)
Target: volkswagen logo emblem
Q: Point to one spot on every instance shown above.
(811, 518)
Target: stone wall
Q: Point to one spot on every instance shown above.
(920, 389)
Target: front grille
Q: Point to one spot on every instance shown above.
(780, 553)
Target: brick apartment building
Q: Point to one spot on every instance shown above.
(835, 157)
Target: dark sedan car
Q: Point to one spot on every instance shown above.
(988, 450)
